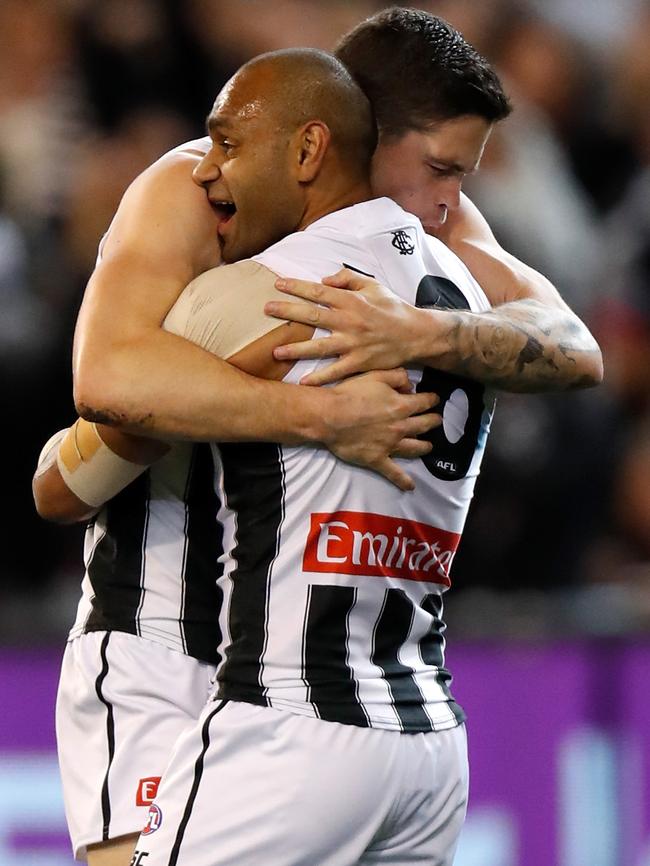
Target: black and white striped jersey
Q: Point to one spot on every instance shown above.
(153, 555)
(332, 577)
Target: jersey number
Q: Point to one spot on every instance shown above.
(462, 401)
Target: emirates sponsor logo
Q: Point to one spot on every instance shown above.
(354, 542)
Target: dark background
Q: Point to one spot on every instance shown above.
(92, 91)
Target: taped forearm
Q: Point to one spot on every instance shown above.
(92, 470)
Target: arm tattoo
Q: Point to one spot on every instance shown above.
(523, 346)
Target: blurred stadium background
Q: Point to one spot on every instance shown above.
(550, 614)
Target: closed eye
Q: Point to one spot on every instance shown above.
(443, 170)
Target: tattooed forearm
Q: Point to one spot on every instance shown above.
(520, 346)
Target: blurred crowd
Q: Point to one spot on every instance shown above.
(92, 91)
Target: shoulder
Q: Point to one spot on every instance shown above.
(173, 168)
(367, 219)
(450, 266)
(165, 208)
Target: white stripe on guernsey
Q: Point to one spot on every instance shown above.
(287, 605)
(94, 535)
(372, 688)
(165, 544)
(409, 655)
(228, 520)
(269, 585)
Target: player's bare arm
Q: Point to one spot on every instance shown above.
(153, 383)
(82, 468)
(530, 341)
(125, 457)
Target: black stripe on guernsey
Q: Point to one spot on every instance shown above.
(391, 631)
(203, 548)
(431, 645)
(198, 773)
(358, 270)
(253, 477)
(331, 685)
(110, 738)
(432, 649)
(115, 570)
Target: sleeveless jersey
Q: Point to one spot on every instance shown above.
(152, 553)
(333, 578)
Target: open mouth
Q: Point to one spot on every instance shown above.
(224, 209)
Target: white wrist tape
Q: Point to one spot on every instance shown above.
(90, 469)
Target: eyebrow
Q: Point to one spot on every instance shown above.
(216, 124)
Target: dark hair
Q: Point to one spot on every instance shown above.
(416, 69)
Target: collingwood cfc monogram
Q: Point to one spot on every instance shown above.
(403, 243)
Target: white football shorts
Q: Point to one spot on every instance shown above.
(121, 705)
(257, 786)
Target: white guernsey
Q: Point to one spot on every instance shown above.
(332, 583)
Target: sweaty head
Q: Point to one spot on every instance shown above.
(287, 123)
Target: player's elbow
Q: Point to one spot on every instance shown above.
(94, 395)
(590, 370)
(57, 505)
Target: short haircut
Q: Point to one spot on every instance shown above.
(417, 70)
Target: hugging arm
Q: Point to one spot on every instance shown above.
(81, 468)
(132, 374)
(529, 341)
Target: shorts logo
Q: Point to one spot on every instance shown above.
(375, 545)
(154, 820)
(147, 791)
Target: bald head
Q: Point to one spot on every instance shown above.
(299, 85)
(292, 140)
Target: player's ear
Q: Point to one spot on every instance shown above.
(312, 141)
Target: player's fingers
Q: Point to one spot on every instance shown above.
(317, 293)
(350, 280)
(324, 347)
(412, 448)
(415, 404)
(332, 372)
(418, 425)
(396, 378)
(305, 314)
(395, 474)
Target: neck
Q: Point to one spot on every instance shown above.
(336, 198)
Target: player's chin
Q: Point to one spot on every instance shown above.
(231, 251)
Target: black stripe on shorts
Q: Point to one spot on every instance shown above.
(198, 773)
(110, 737)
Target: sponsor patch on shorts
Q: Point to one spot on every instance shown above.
(154, 820)
(147, 791)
